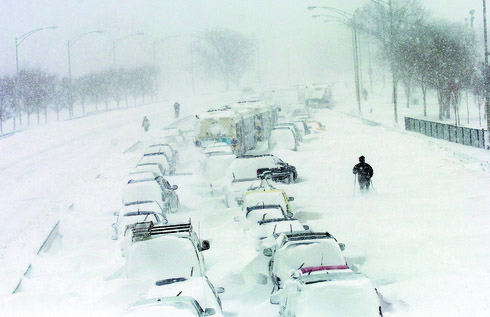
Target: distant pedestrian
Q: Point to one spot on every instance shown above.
(176, 109)
(365, 94)
(364, 173)
(146, 124)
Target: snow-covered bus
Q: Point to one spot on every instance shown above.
(241, 125)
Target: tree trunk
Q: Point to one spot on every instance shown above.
(15, 121)
(407, 94)
(37, 115)
(46, 115)
(439, 99)
(424, 96)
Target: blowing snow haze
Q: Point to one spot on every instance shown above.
(134, 136)
(292, 47)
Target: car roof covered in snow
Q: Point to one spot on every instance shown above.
(196, 287)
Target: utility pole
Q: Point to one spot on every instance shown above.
(394, 72)
(487, 90)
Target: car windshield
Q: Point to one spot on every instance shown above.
(181, 309)
(294, 255)
(336, 298)
(264, 214)
(264, 198)
(145, 258)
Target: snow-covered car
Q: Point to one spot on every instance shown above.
(214, 165)
(315, 126)
(156, 189)
(252, 215)
(294, 250)
(137, 211)
(328, 291)
(267, 196)
(156, 157)
(155, 168)
(165, 151)
(266, 229)
(181, 306)
(283, 137)
(297, 132)
(217, 148)
(261, 166)
(235, 191)
(168, 148)
(300, 114)
(199, 288)
(173, 135)
(164, 251)
(302, 126)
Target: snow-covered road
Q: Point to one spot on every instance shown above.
(421, 236)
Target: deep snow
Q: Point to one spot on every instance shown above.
(421, 235)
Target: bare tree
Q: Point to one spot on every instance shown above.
(5, 88)
(387, 24)
(225, 53)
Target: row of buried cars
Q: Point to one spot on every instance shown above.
(307, 269)
(156, 245)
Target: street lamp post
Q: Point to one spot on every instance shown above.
(349, 20)
(20, 39)
(73, 41)
(119, 40)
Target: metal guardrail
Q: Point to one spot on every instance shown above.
(53, 234)
(448, 132)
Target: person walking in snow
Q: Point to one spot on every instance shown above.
(364, 173)
(365, 94)
(176, 109)
(145, 124)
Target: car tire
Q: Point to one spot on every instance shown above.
(291, 178)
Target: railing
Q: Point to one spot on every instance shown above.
(448, 132)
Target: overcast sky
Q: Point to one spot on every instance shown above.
(291, 43)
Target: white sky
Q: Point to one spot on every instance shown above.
(292, 45)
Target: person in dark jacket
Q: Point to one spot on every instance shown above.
(364, 173)
(176, 109)
(145, 124)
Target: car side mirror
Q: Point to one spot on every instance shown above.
(220, 290)
(209, 312)
(306, 227)
(275, 299)
(342, 246)
(114, 225)
(205, 245)
(114, 237)
(175, 187)
(290, 198)
(116, 213)
(267, 252)
(236, 219)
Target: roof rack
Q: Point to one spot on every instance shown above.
(224, 108)
(145, 230)
(261, 222)
(298, 236)
(253, 155)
